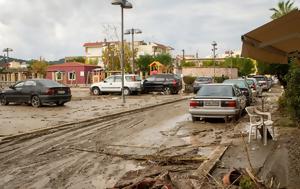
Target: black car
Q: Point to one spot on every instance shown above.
(36, 92)
(200, 81)
(166, 83)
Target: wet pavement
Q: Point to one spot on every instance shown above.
(99, 155)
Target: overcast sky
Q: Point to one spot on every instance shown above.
(54, 29)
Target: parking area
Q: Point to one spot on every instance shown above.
(17, 119)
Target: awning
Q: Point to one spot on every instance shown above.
(275, 41)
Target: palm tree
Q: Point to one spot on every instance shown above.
(283, 9)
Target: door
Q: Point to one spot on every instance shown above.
(158, 84)
(14, 95)
(107, 84)
(117, 84)
(28, 89)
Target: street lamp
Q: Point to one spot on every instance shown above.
(214, 44)
(7, 50)
(132, 32)
(124, 5)
(230, 53)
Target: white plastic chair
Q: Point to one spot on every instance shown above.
(256, 121)
(267, 123)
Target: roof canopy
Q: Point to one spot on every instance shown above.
(156, 63)
(275, 41)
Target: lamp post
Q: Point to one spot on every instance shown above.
(124, 5)
(214, 44)
(133, 31)
(230, 53)
(7, 50)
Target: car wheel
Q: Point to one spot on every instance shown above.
(126, 91)
(195, 118)
(36, 101)
(96, 91)
(60, 103)
(167, 91)
(4, 100)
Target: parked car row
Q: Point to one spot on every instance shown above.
(228, 99)
(166, 83)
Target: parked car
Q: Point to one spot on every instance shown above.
(269, 82)
(220, 100)
(200, 81)
(262, 81)
(255, 87)
(243, 85)
(36, 92)
(113, 84)
(166, 83)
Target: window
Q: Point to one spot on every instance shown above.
(118, 78)
(18, 85)
(110, 79)
(71, 76)
(30, 83)
(58, 76)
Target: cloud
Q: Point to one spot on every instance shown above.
(58, 28)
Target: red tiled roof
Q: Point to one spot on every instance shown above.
(164, 46)
(99, 44)
(72, 64)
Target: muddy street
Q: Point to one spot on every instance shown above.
(100, 154)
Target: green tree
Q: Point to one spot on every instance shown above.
(38, 67)
(165, 59)
(188, 64)
(143, 62)
(292, 92)
(282, 9)
(80, 59)
(111, 57)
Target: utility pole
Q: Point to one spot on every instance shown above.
(183, 55)
(7, 50)
(230, 53)
(133, 31)
(214, 44)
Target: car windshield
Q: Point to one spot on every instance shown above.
(216, 90)
(203, 79)
(239, 83)
(250, 82)
(259, 78)
(50, 83)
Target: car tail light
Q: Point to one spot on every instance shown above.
(254, 86)
(231, 103)
(195, 103)
(50, 92)
(174, 82)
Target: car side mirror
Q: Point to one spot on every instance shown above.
(12, 87)
(104, 81)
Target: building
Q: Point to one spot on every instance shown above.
(71, 73)
(94, 50)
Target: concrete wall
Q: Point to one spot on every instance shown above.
(198, 71)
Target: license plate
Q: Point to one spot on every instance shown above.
(212, 103)
(61, 92)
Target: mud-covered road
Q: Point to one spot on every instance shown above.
(99, 155)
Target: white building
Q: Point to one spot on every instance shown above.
(93, 51)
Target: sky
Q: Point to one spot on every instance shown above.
(54, 29)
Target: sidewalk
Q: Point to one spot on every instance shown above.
(240, 150)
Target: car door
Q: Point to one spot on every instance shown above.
(15, 94)
(106, 85)
(117, 84)
(28, 89)
(148, 84)
(159, 83)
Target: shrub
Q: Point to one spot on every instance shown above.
(188, 64)
(188, 80)
(292, 92)
(220, 79)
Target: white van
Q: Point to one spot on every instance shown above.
(113, 84)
